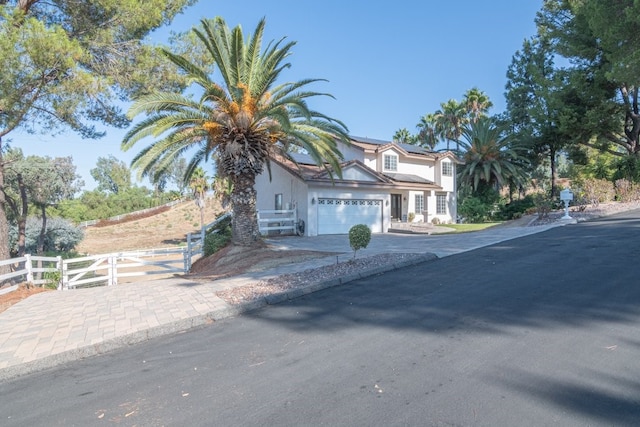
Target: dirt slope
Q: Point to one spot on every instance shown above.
(163, 230)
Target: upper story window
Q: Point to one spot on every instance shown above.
(447, 169)
(390, 162)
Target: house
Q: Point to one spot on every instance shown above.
(382, 182)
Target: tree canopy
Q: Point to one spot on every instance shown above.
(69, 65)
(599, 40)
(240, 122)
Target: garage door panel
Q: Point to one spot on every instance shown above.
(337, 216)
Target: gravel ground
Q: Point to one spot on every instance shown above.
(591, 212)
(312, 276)
(277, 285)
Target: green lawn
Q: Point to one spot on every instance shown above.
(467, 228)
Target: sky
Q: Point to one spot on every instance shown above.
(387, 63)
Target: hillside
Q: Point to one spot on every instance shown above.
(162, 230)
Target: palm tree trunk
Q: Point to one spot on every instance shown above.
(244, 220)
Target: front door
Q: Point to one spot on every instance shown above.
(396, 207)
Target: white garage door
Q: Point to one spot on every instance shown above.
(337, 216)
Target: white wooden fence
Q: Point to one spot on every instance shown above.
(107, 269)
(29, 272)
(195, 241)
(278, 221)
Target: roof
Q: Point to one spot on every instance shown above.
(307, 170)
(409, 148)
(403, 177)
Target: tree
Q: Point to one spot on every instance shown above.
(37, 181)
(599, 41)
(534, 104)
(199, 184)
(428, 136)
(403, 136)
(490, 159)
(222, 190)
(14, 193)
(112, 175)
(241, 122)
(54, 180)
(68, 65)
(476, 103)
(450, 120)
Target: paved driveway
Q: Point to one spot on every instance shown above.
(439, 244)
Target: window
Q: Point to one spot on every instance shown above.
(419, 203)
(390, 162)
(441, 204)
(447, 169)
(278, 202)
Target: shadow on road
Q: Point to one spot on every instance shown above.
(576, 284)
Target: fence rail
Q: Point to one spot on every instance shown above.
(107, 269)
(24, 268)
(277, 221)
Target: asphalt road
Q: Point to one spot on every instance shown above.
(542, 330)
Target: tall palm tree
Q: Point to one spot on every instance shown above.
(241, 122)
(490, 158)
(199, 184)
(404, 136)
(450, 119)
(427, 136)
(477, 103)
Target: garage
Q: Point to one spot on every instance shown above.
(337, 216)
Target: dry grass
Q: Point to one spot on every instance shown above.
(163, 230)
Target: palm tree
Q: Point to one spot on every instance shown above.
(490, 158)
(404, 136)
(241, 122)
(428, 136)
(450, 119)
(222, 190)
(199, 184)
(477, 104)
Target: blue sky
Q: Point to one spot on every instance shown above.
(387, 63)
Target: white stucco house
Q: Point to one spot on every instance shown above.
(381, 182)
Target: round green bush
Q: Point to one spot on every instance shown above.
(359, 237)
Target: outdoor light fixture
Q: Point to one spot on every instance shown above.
(313, 200)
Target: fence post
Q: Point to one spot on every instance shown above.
(59, 268)
(112, 271)
(187, 260)
(65, 276)
(29, 267)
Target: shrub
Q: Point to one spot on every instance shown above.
(596, 191)
(435, 221)
(516, 208)
(217, 237)
(411, 216)
(626, 191)
(60, 235)
(359, 237)
(543, 204)
(474, 209)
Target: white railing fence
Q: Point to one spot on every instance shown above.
(24, 270)
(273, 222)
(108, 269)
(195, 241)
